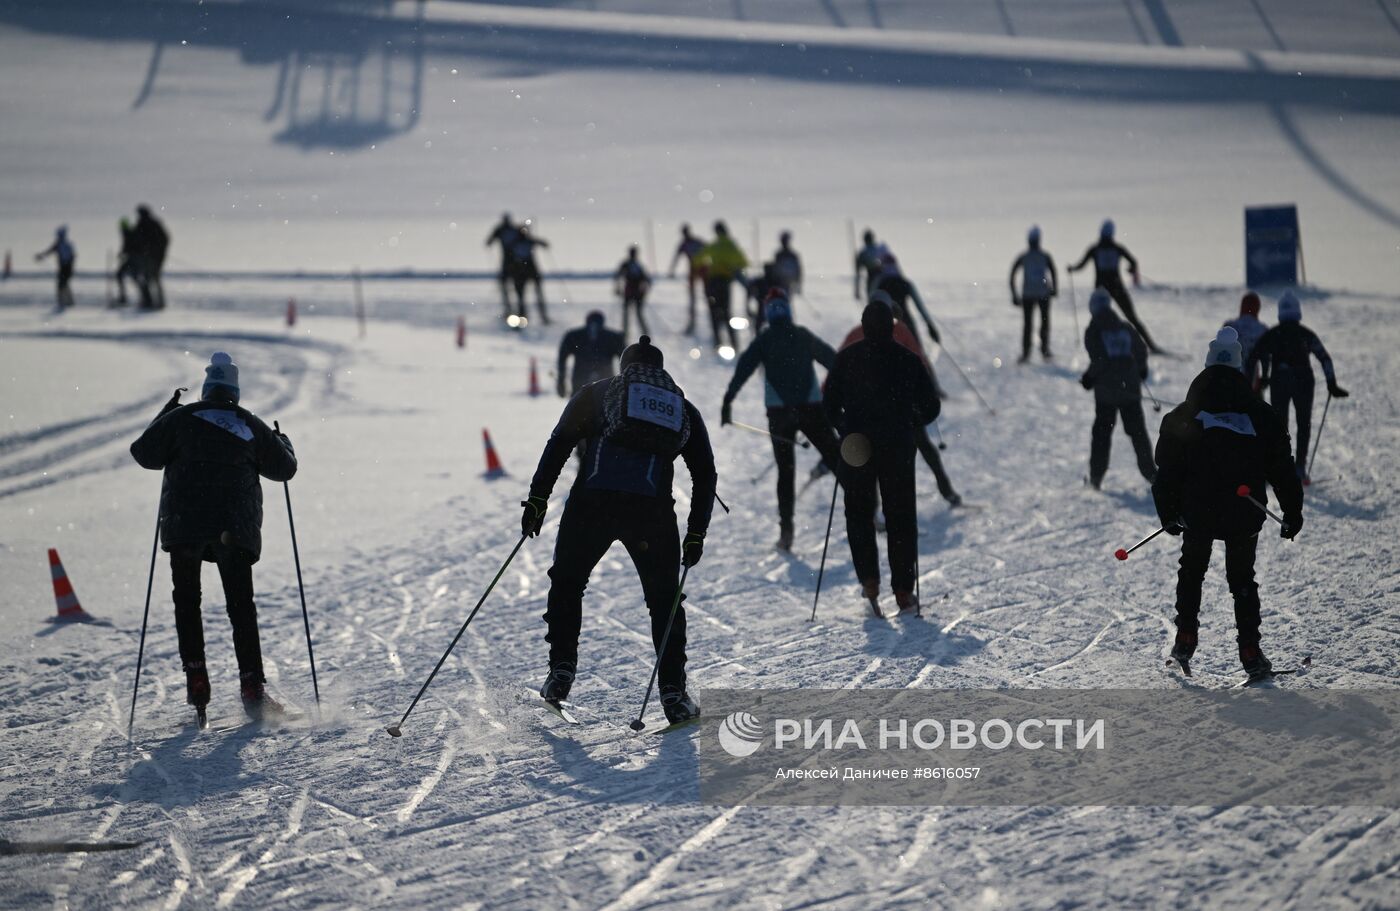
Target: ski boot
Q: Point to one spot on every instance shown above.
(871, 593)
(1183, 649)
(908, 604)
(785, 538)
(558, 683)
(1024, 358)
(677, 704)
(257, 704)
(954, 500)
(197, 690)
(1255, 664)
(1045, 354)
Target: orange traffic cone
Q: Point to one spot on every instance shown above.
(291, 311)
(461, 332)
(494, 469)
(534, 379)
(68, 606)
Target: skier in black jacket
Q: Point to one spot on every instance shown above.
(1284, 353)
(505, 234)
(902, 293)
(633, 427)
(213, 452)
(1117, 367)
(631, 282)
(878, 394)
(1220, 438)
(151, 242)
(1107, 254)
(791, 393)
(593, 348)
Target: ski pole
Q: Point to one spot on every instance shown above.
(952, 360)
(1074, 308)
(559, 276)
(301, 589)
(145, 615)
(395, 730)
(1244, 491)
(1122, 553)
(1320, 427)
(665, 638)
(939, 430)
(821, 569)
(1156, 405)
(752, 429)
(763, 474)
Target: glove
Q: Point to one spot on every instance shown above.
(1173, 527)
(1015, 301)
(692, 548)
(533, 518)
(933, 333)
(1337, 392)
(559, 386)
(1291, 526)
(726, 413)
(1086, 381)
(1137, 278)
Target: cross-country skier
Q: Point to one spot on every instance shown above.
(631, 282)
(1220, 438)
(213, 452)
(792, 395)
(1039, 283)
(787, 265)
(757, 291)
(689, 248)
(868, 261)
(1117, 367)
(504, 234)
(1106, 254)
(724, 264)
(880, 391)
(1249, 329)
(1283, 353)
(594, 350)
(633, 427)
(126, 260)
(524, 270)
(902, 293)
(151, 242)
(66, 256)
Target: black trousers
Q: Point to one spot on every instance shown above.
(1239, 573)
(632, 303)
(1105, 418)
(1112, 282)
(1294, 387)
(1028, 307)
(236, 572)
(592, 521)
(935, 462)
(717, 297)
(521, 278)
(786, 422)
(891, 472)
(65, 293)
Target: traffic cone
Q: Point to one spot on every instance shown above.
(291, 311)
(6, 273)
(494, 469)
(68, 606)
(534, 379)
(461, 332)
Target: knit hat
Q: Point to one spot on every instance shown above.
(1289, 310)
(776, 307)
(1033, 235)
(1249, 304)
(877, 321)
(1106, 229)
(1099, 302)
(643, 352)
(883, 297)
(221, 372)
(1225, 350)
(595, 316)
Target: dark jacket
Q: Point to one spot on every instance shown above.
(1106, 254)
(150, 241)
(212, 454)
(786, 352)
(1117, 360)
(1223, 436)
(594, 350)
(626, 473)
(1284, 353)
(880, 389)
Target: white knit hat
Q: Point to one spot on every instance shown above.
(1225, 350)
(222, 371)
(1289, 309)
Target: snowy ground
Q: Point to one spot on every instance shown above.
(283, 135)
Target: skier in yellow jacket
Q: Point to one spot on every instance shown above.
(723, 263)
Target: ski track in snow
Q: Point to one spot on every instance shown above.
(488, 801)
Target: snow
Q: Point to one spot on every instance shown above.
(487, 801)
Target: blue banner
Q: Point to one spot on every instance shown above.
(1270, 246)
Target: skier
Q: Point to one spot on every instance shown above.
(901, 292)
(1222, 437)
(504, 234)
(126, 260)
(1117, 367)
(1249, 329)
(151, 242)
(756, 294)
(633, 427)
(593, 348)
(868, 260)
(787, 265)
(631, 283)
(212, 452)
(65, 255)
(1283, 355)
(792, 396)
(689, 247)
(724, 264)
(1039, 283)
(1107, 253)
(524, 270)
(877, 393)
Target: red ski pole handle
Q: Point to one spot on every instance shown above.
(1122, 552)
(1244, 491)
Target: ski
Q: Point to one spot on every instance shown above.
(1180, 664)
(1257, 679)
(875, 607)
(556, 707)
(201, 717)
(676, 726)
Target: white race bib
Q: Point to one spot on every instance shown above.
(654, 405)
(1227, 420)
(227, 420)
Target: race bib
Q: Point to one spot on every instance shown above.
(227, 420)
(1227, 420)
(654, 405)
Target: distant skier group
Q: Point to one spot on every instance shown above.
(141, 258)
